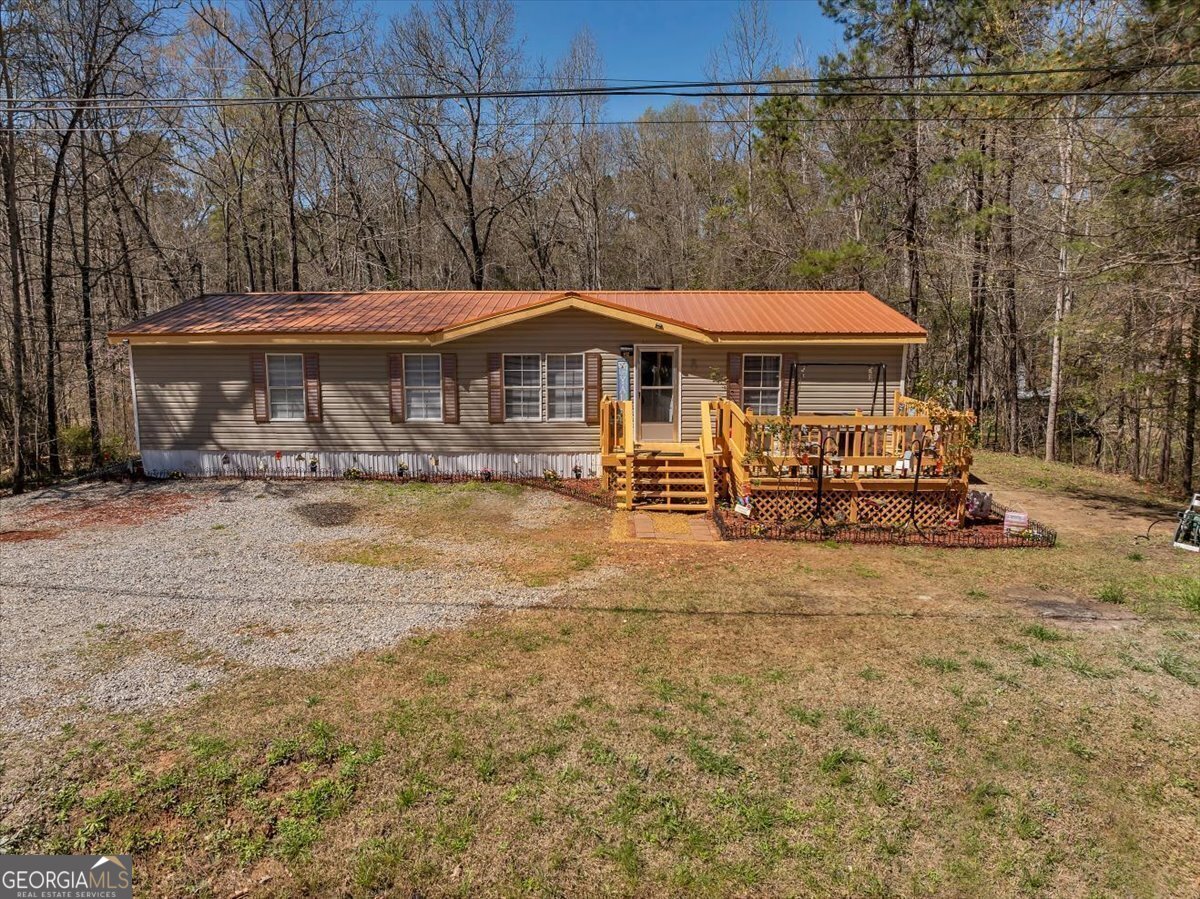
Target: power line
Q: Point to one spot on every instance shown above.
(128, 105)
(828, 120)
(814, 79)
(679, 89)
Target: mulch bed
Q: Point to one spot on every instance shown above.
(27, 535)
(986, 533)
(53, 518)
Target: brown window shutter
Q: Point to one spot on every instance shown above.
(733, 374)
(789, 393)
(450, 388)
(258, 379)
(495, 388)
(396, 387)
(593, 386)
(312, 387)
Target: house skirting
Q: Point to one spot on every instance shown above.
(295, 464)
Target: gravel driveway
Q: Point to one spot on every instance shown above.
(119, 597)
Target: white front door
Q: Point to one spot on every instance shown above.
(656, 377)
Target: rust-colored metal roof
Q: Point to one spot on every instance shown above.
(430, 312)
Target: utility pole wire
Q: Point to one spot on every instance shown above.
(815, 120)
(682, 89)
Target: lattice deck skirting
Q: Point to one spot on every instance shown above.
(933, 508)
(974, 534)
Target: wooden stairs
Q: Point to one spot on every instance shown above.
(675, 480)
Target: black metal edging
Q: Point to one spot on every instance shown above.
(602, 498)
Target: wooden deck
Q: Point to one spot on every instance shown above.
(862, 469)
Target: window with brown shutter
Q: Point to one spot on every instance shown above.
(450, 388)
(312, 387)
(258, 380)
(286, 387)
(495, 388)
(733, 377)
(593, 368)
(396, 387)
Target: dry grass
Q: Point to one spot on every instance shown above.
(718, 719)
(108, 646)
(377, 554)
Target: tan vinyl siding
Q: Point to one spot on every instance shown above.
(201, 398)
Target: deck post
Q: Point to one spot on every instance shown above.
(627, 416)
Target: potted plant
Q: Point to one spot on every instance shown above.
(486, 474)
(402, 470)
(577, 471)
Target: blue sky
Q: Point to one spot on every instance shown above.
(656, 40)
(661, 40)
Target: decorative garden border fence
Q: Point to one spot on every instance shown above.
(588, 490)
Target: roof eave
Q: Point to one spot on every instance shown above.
(360, 338)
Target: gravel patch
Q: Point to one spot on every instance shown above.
(226, 573)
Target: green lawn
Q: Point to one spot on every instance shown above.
(708, 719)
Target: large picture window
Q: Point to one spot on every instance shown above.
(285, 386)
(564, 387)
(423, 387)
(760, 384)
(523, 387)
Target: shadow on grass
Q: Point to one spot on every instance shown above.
(616, 609)
(1122, 504)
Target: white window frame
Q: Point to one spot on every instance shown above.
(778, 388)
(441, 413)
(541, 387)
(303, 416)
(582, 388)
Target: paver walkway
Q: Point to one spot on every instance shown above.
(672, 526)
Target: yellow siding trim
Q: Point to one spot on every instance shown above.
(574, 302)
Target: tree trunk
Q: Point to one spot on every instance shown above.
(48, 311)
(1011, 335)
(1187, 482)
(85, 279)
(1062, 297)
(912, 150)
(979, 252)
(8, 159)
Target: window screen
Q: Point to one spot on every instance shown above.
(523, 388)
(760, 384)
(564, 387)
(285, 386)
(423, 387)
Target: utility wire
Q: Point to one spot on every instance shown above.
(127, 105)
(828, 120)
(810, 79)
(679, 89)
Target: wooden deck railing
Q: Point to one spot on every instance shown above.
(617, 441)
(856, 453)
(745, 453)
(708, 453)
(616, 426)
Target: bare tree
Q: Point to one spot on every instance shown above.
(465, 153)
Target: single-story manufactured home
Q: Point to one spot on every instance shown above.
(455, 382)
